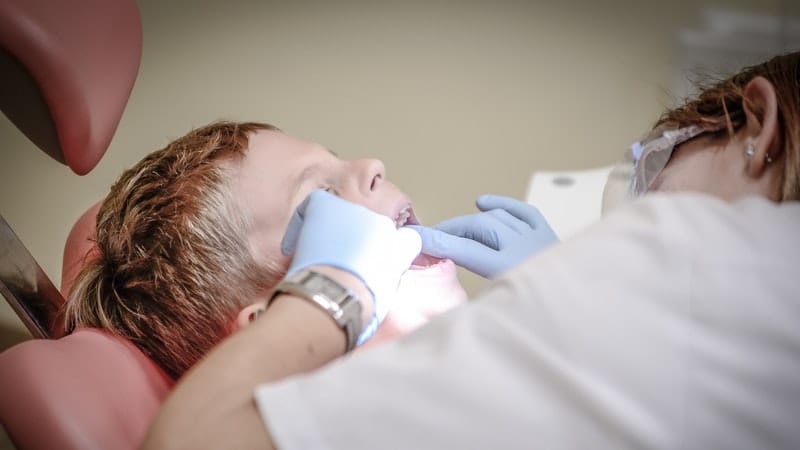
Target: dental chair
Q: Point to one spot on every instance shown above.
(66, 72)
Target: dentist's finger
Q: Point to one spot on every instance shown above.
(521, 210)
(479, 227)
(509, 220)
(467, 253)
(289, 240)
(410, 244)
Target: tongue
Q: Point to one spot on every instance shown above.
(423, 261)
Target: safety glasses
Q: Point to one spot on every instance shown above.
(648, 157)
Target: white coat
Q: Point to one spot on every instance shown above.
(672, 323)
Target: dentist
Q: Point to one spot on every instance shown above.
(672, 323)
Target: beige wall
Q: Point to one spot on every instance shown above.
(457, 97)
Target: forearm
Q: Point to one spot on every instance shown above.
(213, 407)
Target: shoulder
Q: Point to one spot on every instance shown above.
(656, 246)
(673, 211)
(686, 221)
(696, 209)
(704, 226)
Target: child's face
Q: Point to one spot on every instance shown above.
(279, 171)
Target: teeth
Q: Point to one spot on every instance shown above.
(402, 217)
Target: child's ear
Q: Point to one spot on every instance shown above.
(249, 313)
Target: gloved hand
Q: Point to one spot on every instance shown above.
(504, 233)
(328, 230)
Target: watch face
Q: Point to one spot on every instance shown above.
(325, 286)
(343, 306)
(326, 292)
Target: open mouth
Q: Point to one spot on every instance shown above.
(405, 217)
(423, 261)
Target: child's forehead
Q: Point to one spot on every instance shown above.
(275, 162)
(284, 146)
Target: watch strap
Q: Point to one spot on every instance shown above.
(337, 300)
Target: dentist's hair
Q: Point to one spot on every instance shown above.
(173, 266)
(720, 106)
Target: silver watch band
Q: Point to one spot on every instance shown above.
(330, 295)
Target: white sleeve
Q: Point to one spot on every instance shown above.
(595, 343)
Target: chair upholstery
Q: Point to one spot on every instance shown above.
(79, 247)
(68, 68)
(88, 390)
(66, 71)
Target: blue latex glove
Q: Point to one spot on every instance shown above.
(504, 233)
(327, 230)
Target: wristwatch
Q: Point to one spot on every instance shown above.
(330, 295)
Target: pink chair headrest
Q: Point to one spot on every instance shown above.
(88, 390)
(80, 247)
(68, 68)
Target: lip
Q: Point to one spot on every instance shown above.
(422, 261)
(412, 217)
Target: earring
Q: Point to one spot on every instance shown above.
(750, 151)
(767, 158)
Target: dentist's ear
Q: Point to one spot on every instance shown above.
(761, 109)
(249, 313)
